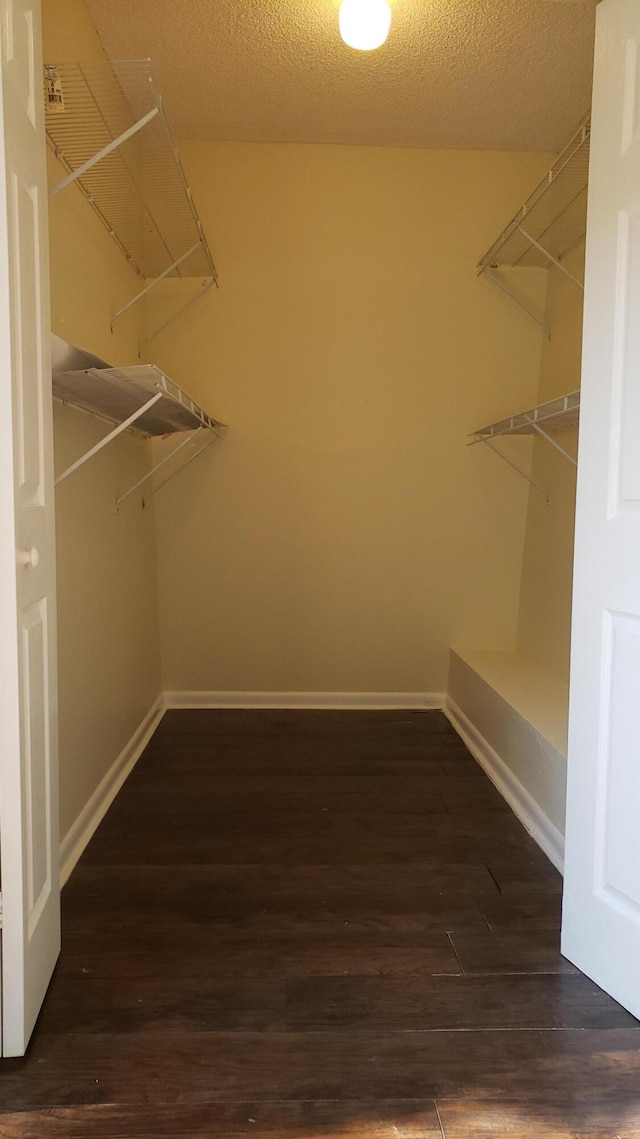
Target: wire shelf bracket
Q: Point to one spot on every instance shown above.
(152, 284)
(556, 414)
(151, 473)
(167, 459)
(551, 223)
(492, 276)
(545, 435)
(178, 312)
(108, 149)
(183, 467)
(107, 125)
(515, 467)
(109, 438)
(554, 260)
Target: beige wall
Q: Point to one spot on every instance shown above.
(544, 623)
(343, 536)
(108, 652)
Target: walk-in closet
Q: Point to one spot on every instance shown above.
(321, 475)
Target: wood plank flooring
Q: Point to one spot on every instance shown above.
(318, 925)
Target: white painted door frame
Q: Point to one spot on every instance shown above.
(601, 919)
(28, 811)
(29, 838)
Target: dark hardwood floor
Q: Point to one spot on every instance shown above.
(318, 925)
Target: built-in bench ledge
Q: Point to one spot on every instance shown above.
(512, 714)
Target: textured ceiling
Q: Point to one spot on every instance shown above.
(495, 74)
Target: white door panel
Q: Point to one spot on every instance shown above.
(601, 919)
(28, 728)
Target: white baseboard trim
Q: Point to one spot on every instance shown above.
(347, 701)
(531, 815)
(93, 812)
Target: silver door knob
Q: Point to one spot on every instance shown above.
(29, 557)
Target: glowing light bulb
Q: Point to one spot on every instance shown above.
(364, 24)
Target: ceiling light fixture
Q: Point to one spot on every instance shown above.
(364, 24)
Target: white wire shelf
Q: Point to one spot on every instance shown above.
(117, 393)
(545, 420)
(556, 415)
(107, 125)
(140, 398)
(554, 216)
(551, 223)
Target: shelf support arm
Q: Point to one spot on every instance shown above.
(496, 280)
(155, 489)
(551, 440)
(515, 466)
(108, 438)
(111, 146)
(183, 308)
(550, 257)
(152, 284)
(151, 473)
